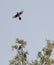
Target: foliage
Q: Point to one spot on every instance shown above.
(43, 56)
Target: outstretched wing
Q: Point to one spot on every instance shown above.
(20, 12)
(15, 15)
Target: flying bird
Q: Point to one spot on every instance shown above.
(18, 15)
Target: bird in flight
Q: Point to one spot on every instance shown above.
(18, 15)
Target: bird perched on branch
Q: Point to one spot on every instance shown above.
(18, 15)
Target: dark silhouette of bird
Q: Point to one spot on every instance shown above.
(18, 15)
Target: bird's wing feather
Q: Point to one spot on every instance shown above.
(14, 16)
(20, 12)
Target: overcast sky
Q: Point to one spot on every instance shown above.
(36, 26)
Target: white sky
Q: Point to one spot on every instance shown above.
(36, 26)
